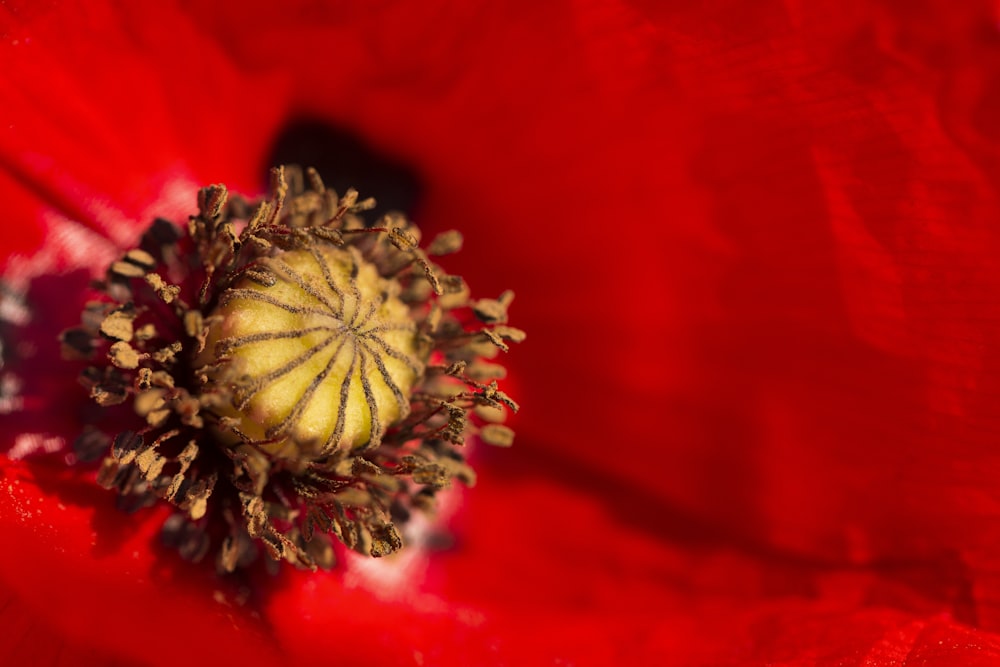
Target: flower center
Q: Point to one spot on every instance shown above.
(284, 374)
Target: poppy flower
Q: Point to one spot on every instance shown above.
(753, 244)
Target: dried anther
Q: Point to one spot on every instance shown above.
(286, 375)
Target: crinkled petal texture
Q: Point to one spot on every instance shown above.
(754, 244)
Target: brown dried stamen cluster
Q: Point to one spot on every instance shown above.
(408, 359)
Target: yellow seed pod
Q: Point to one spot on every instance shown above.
(315, 353)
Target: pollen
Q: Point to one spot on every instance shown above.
(288, 376)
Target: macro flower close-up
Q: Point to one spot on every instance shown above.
(709, 375)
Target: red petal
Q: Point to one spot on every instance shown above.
(97, 578)
(113, 114)
(28, 639)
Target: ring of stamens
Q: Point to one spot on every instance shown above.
(307, 377)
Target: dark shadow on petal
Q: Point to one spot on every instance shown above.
(346, 161)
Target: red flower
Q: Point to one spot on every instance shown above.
(755, 249)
